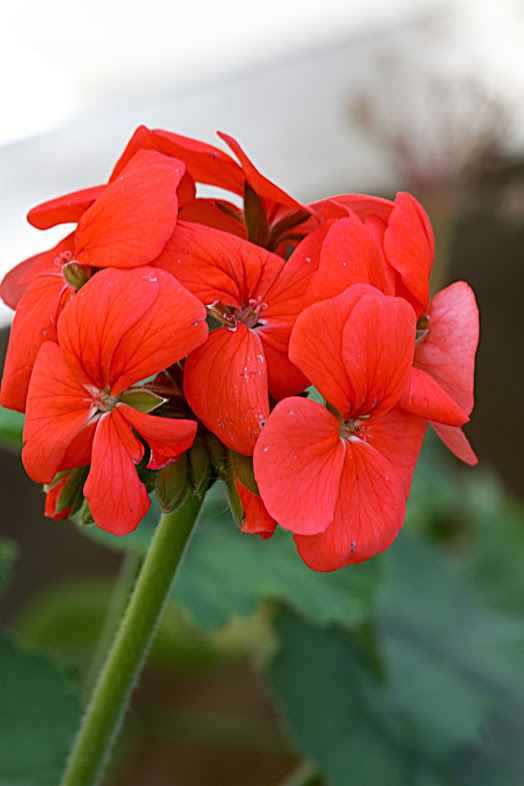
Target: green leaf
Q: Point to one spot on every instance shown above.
(11, 427)
(448, 709)
(38, 718)
(8, 554)
(226, 574)
(337, 712)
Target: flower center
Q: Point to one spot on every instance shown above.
(103, 400)
(353, 428)
(250, 314)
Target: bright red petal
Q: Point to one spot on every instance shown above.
(34, 323)
(316, 346)
(100, 315)
(368, 515)
(257, 520)
(424, 397)
(64, 209)
(130, 223)
(117, 499)
(349, 255)
(15, 283)
(58, 409)
(215, 213)
(205, 163)
(297, 461)
(457, 442)
(410, 247)
(377, 351)
(215, 266)
(225, 383)
(398, 437)
(173, 326)
(263, 187)
(447, 353)
(166, 437)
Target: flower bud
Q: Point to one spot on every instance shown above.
(171, 484)
(200, 468)
(65, 494)
(217, 452)
(75, 274)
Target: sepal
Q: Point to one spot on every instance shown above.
(171, 484)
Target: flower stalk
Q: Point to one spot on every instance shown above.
(126, 656)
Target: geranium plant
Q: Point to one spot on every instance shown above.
(172, 341)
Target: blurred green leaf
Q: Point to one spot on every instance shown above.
(38, 716)
(227, 574)
(451, 707)
(11, 427)
(66, 621)
(8, 554)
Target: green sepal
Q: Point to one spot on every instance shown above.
(142, 399)
(84, 517)
(234, 498)
(243, 468)
(200, 469)
(72, 493)
(171, 484)
(256, 219)
(217, 452)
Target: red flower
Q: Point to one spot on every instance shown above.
(340, 482)
(122, 326)
(127, 226)
(256, 295)
(390, 245)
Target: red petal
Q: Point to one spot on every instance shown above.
(100, 315)
(215, 266)
(58, 408)
(424, 397)
(398, 436)
(15, 283)
(257, 520)
(263, 187)
(316, 346)
(173, 326)
(410, 247)
(130, 223)
(361, 204)
(215, 213)
(377, 351)
(166, 437)
(205, 163)
(368, 515)
(349, 255)
(457, 442)
(225, 383)
(297, 461)
(142, 139)
(117, 499)
(64, 209)
(34, 323)
(447, 353)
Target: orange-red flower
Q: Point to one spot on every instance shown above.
(127, 225)
(390, 245)
(121, 327)
(255, 297)
(339, 477)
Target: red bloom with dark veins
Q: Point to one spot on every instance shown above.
(340, 482)
(256, 296)
(121, 327)
(127, 226)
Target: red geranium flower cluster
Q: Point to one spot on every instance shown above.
(164, 314)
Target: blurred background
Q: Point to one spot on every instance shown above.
(331, 97)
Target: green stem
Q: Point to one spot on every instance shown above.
(131, 562)
(127, 654)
